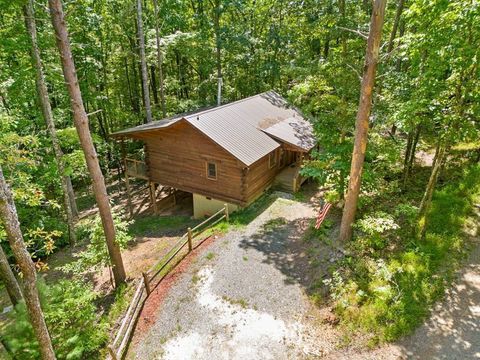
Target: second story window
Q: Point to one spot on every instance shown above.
(212, 170)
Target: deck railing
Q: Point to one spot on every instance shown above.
(136, 168)
(154, 276)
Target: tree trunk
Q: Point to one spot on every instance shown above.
(71, 197)
(341, 7)
(362, 122)
(218, 50)
(153, 84)
(9, 218)
(9, 280)
(406, 159)
(143, 63)
(159, 59)
(414, 148)
(342, 172)
(42, 93)
(393, 34)
(427, 196)
(81, 123)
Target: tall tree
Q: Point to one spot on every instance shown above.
(159, 58)
(362, 121)
(9, 279)
(432, 181)
(9, 218)
(143, 62)
(42, 94)
(218, 49)
(81, 123)
(396, 21)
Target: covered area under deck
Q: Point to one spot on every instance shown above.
(163, 200)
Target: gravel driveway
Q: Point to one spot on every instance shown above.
(243, 298)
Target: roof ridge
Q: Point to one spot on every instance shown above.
(207, 110)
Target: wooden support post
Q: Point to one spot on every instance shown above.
(227, 216)
(127, 181)
(153, 198)
(147, 284)
(190, 240)
(112, 352)
(129, 192)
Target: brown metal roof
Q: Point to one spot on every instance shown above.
(295, 131)
(241, 127)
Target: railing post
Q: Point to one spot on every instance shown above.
(190, 237)
(111, 350)
(226, 212)
(147, 284)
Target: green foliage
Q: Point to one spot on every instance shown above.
(71, 318)
(388, 293)
(96, 255)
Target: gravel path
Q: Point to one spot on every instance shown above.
(245, 297)
(242, 299)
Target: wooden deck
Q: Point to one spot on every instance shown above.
(289, 179)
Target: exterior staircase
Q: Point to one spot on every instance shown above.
(289, 179)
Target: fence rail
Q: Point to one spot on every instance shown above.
(149, 280)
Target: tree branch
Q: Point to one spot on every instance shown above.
(357, 32)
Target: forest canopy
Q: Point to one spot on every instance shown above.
(139, 60)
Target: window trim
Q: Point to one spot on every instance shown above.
(207, 163)
(274, 156)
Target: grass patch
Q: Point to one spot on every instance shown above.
(242, 217)
(245, 216)
(210, 256)
(388, 290)
(154, 224)
(242, 302)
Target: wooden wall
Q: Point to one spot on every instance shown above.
(259, 177)
(177, 157)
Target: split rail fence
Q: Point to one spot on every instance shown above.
(153, 277)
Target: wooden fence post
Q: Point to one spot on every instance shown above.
(112, 352)
(147, 284)
(190, 237)
(226, 212)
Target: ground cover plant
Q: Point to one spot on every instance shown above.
(390, 277)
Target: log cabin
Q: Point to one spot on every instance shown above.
(226, 154)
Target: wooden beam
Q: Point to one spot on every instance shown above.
(153, 198)
(127, 180)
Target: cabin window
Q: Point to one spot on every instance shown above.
(272, 159)
(212, 170)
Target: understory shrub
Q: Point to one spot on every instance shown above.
(387, 293)
(71, 318)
